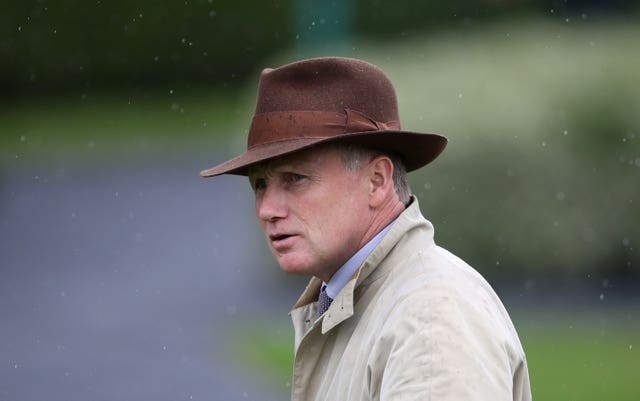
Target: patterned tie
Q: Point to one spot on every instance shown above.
(324, 301)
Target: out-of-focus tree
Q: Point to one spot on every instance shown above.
(74, 44)
(52, 45)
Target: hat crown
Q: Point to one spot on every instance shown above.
(328, 84)
(329, 99)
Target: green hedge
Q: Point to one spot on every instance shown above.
(78, 44)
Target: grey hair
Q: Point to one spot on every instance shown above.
(354, 158)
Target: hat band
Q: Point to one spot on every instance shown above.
(283, 125)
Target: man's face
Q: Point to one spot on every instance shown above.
(314, 211)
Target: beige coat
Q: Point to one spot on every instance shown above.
(414, 323)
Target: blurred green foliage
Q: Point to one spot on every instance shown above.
(75, 44)
(385, 18)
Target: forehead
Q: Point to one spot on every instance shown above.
(315, 157)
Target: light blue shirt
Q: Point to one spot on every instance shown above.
(344, 273)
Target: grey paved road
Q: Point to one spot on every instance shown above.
(121, 284)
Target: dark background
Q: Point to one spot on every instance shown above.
(123, 275)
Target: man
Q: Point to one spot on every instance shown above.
(387, 315)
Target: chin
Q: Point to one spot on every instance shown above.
(294, 267)
(297, 271)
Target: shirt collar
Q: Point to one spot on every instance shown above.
(341, 277)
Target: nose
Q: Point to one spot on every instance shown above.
(271, 204)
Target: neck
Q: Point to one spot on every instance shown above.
(386, 213)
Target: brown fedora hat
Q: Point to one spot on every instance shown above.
(324, 100)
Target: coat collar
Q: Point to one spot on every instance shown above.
(371, 269)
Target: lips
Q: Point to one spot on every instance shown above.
(281, 241)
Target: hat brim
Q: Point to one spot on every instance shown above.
(416, 149)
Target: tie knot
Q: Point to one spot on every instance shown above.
(324, 301)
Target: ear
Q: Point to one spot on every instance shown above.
(380, 181)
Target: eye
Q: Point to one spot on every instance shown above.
(259, 184)
(294, 177)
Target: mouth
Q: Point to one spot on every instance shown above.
(278, 237)
(281, 241)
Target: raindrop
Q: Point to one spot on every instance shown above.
(171, 91)
(459, 95)
(544, 144)
(566, 132)
(601, 297)
(23, 138)
(19, 28)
